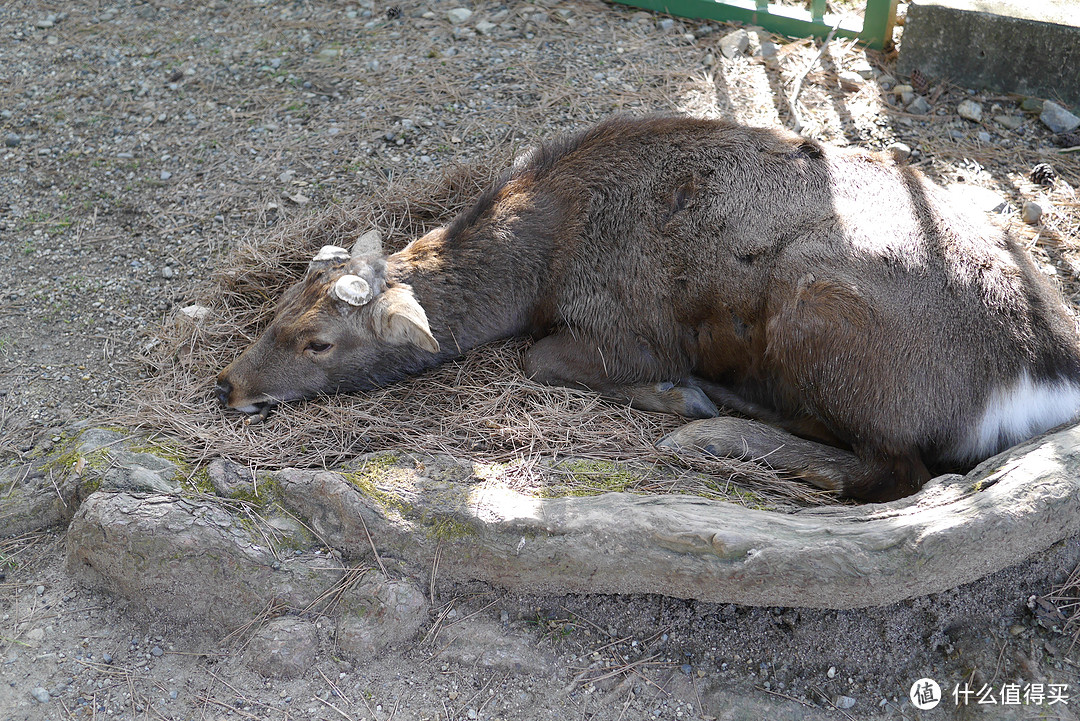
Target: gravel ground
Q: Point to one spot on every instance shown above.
(142, 140)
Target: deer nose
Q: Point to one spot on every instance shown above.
(224, 388)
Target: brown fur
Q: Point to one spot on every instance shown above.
(669, 261)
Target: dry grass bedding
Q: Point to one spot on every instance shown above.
(480, 407)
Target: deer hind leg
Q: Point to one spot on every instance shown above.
(866, 477)
(562, 359)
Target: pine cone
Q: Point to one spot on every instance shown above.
(1043, 174)
(919, 82)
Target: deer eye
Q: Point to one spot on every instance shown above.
(318, 346)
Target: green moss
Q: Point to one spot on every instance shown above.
(376, 471)
(198, 481)
(444, 528)
(170, 452)
(591, 478)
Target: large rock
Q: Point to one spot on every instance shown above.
(283, 647)
(188, 560)
(47, 493)
(379, 614)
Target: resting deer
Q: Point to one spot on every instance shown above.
(869, 332)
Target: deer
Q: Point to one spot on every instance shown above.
(828, 311)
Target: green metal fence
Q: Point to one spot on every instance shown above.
(876, 30)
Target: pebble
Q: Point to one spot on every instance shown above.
(919, 106)
(1012, 122)
(863, 67)
(665, 24)
(900, 151)
(157, 651)
(12, 140)
(1058, 118)
(41, 695)
(458, 15)
(769, 49)
(106, 658)
(473, 713)
(983, 136)
(843, 702)
(734, 43)
(1031, 105)
(887, 82)
(165, 175)
(832, 672)
(969, 110)
(851, 80)
(1031, 213)
(40, 590)
(485, 28)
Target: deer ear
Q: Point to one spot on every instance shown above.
(401, 320)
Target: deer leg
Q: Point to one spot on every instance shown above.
(868, 476)
(564, 360)
(802, 426)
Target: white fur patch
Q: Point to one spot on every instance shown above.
(1016, 413)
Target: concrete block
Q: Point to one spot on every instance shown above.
(1012, 46)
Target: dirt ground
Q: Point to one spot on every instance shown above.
(142, 140)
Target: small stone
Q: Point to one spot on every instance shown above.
(165, 175)
(41, 695)
(327, 54)
(1031, 213)
(983, 136)
(12, 140)
(863, 67)
(45, 23)
(106, 658)
(1016, 629)
(195, 313)
(887, 82)
(287, 176)
(918, 106)
(457, 16)
(157, 651)
(832, 672)
(665, 24)
(35, 635)
(734, 43)
(485, 28)
(1058, 118)
(472, 713)
(850, 80)
(899, 151)
(40, 590)
(843, 702)
(969, 110)
(1031, 105)
(1012, 122)
(769, 49)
